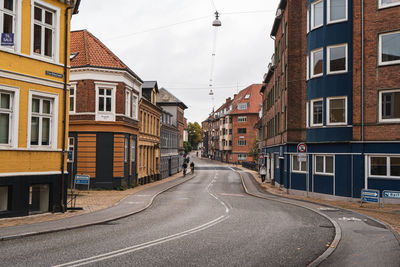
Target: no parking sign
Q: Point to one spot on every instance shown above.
(301, 148)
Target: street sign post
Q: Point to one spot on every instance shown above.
(389, 194)
(82, 180)
(370, 195)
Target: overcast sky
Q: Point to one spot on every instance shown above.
(171, 41)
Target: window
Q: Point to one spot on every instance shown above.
(230, 131)
(6, 116)
(337, 10)
(337, 59)
(247, 96)
(41, 116)
(324, 164)
(7, 21)
(242, 130)
(126, 149)
(134, 106)
(317, 62)
(43, 31)
(241, 142)
(388, 3)
(3, 198)
(308, 20)
(389, 48)
(242, 157)
(242, 119)
(39, 196)
(388, 166)
(298, 166)
(105, 101)
(307, 68)
(337, 110)
(317, 14)
(242, 106)
(72, 99)
(389, 105)
(128, 99)
(307, 115)
(316, 109)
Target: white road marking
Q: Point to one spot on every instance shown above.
(231, 195)
(135, 202)
(120, 252)
(351, 219)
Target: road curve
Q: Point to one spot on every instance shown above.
(207, 221)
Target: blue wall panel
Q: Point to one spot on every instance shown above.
(343, 175)
(384, 184)
(323, 184)
(299, 181)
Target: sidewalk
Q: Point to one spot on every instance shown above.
(98, 207)
(359, 240)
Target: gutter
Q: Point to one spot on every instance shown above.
(63, 193)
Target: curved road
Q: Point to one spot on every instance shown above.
(207, 221)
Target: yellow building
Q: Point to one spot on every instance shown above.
(149, 134)
(34, 59)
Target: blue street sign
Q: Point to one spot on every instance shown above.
(389, 194)
(7, 39)
(82, 179)
(70, 155)
(370, 195)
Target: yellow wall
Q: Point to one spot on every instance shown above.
(20, 159)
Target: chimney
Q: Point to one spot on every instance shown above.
(234, 96)
(228, 99)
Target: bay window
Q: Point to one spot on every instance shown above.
(317, 112)
(317, 14)
(337, 11)
(317, 62)
(337, 59)
(337, 111)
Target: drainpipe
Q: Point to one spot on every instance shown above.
(273, 178)
(63, 199)
(362, 96)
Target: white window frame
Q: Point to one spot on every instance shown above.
(307, 68)
(307, 114)
(16, 27)
(312, 112)
(312, 14)
(71, 140)
(324, 167)
(241, 140)
(328, 13)
(328, 63)
(242, 119)
(300, 170)
(328, 99)
(312, 62)
(128, 100)
(388, 174)
(380, 106)
(380, 50)
(133, 149)
(73, 86)
(134, 109)
(242, 106)
(56, 33)
(13, 130)
(382, 6)
(126, 149)
(105, 115)
(242, 157)
(247, 96)
(308, 19)
(53, 121)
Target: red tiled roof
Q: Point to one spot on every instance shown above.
(91, 52)
(254, 100)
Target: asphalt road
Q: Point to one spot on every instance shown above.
(207, 221)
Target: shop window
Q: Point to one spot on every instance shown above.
(324, 164)
(298, 166)
(3, 198)
(389, 48)
(317, 63)
(386, 166)
(337, 111)
(389, 105)
(337, 59)
(337, 11)
(39, 198)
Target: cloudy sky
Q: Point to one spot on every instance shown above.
(171, 41)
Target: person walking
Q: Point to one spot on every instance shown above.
(192, 167)
(263, 172)
(184, 166)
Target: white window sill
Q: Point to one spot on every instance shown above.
(299, 172)
(383, 121)
(336, 72)
(323, 174)
(388, 63)
(336, 124)
(316, 27)
(388, 6)
(336, 21)
(316, 125)
(316, 76)
(384, 177)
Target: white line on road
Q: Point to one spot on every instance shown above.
(116, 253)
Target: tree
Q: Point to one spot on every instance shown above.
(253, 152)
(187, 147)
(194, 132)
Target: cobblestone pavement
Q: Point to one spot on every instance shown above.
(389, 215)
(89, 201)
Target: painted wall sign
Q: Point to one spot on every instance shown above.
(54, 74)
(7, 39)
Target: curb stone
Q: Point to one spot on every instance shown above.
(338, 230)
(5, 238)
